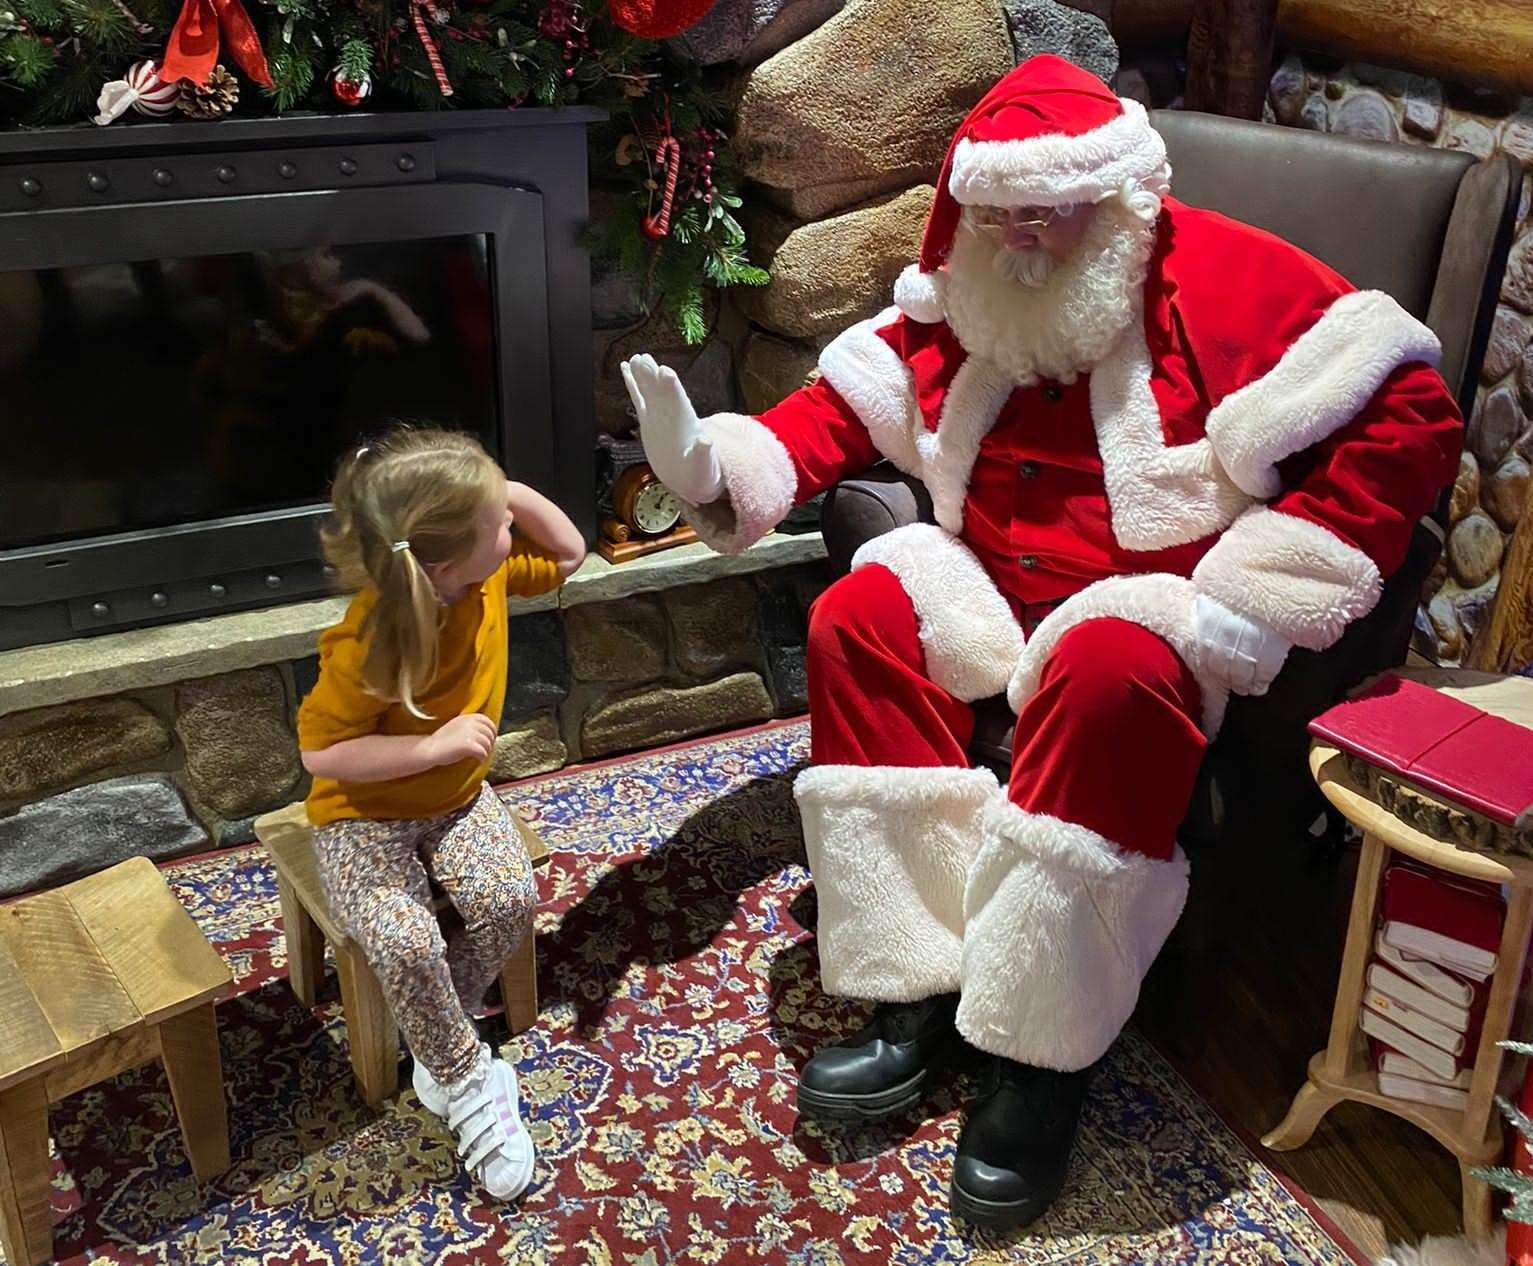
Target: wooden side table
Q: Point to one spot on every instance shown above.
(97, 977)
(372, 1037)
(1452, 839)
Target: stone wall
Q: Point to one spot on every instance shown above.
(845, 109)
(1489, 496)
(180, 768)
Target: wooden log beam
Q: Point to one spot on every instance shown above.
(1229, 56)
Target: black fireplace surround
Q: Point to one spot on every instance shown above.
(197, 319)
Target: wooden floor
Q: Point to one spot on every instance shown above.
(1242, 1027)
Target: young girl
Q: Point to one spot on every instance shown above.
(398, 733)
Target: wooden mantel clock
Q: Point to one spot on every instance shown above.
(646, 517)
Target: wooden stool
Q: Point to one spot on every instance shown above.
(97, 977)
(371, 1034)
(1342, 1070)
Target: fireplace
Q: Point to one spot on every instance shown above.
(196, 320)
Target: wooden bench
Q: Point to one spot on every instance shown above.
(371, 1034)
(97, 977)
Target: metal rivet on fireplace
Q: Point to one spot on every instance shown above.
(406, 162)
(100, 610)
(348, 167)
(217, 591)
(98, 182)
(287, 170)
(225, 174)
(274, 581)
(330, 572)
(162, 177)
(158, 599)
(31, 186)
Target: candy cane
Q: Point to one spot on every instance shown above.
(418, 16)
(669, 154)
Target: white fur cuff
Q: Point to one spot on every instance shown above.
(1292, 574)
(970, 636)
(870, 376)
(760, 484)
(1321, 383)
(890, 849)
(1157, 601)
(1062, 926)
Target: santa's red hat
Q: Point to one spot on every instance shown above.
(1048, 134)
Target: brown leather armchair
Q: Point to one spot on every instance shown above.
(1431, 228)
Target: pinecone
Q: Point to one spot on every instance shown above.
(211, 100)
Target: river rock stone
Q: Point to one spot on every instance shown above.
(1470, 135)
(1473, 608)
(1506, 492)
(1509, 337)
(49, 748)
(816, 124)
(241, 750)
(1496, 422)
(1525, 378)
(1289, 90)
(835, 272)
(1475, 546)
(1466, 488)
(87, 829)
(668, 713)
(1315, 114)
(1517, 286)
(1447, 632)
(1367, 116)
(1517, 136)
(538, 670)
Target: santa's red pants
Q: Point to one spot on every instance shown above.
(1110, 740)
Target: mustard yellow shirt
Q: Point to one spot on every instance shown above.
(471, 677)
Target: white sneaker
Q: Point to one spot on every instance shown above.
(482, 1111)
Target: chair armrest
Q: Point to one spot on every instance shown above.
(857, 510)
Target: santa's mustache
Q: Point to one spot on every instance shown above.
(1028, 265)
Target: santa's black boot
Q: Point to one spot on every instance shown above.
(884, 1067)
(1015, 1146)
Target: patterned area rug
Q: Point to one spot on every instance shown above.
(680, 995)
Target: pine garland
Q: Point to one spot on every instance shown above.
(55, 55)
(1502, 1177)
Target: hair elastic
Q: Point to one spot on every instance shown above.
(399, 547)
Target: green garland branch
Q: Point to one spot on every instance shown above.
(333, 55)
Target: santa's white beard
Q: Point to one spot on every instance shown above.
(1061, 324)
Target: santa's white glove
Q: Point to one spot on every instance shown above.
(1240, 651)
(674, 444)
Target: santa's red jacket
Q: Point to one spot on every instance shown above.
(1267, 435)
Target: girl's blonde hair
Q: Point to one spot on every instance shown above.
(409, 499)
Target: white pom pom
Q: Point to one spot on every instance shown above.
(920, 296)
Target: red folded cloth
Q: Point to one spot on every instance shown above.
(1440, 743)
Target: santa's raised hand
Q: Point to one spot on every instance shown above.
(674, 444)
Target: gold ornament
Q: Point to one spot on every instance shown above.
(212, 100)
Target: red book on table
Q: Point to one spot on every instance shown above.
(1440, 744)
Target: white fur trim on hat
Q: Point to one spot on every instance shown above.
(1061, 926)
(1290, 573)
(1321, 383)
(1160, 495)
(921, 296)
(870, 376)
(760, 484)
(968, 632)
(1157, 601)
(1056, 169)
(890, 849)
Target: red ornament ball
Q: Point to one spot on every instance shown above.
(350, 92)
(657, 19)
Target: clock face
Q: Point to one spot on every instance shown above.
(655, 509)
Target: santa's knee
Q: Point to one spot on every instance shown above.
(863, 614)
(1114, 672)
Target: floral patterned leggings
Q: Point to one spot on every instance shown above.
(377, 877)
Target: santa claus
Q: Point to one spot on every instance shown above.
(1162, 448)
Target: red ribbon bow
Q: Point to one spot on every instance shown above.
(193, 49)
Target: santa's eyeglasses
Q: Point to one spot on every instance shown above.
(1026, 219)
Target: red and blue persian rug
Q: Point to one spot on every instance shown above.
(680, 996)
